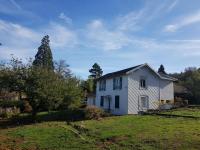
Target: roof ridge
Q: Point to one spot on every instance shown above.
(119, 72)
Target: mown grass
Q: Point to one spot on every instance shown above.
(52, 135)
(190, 112)
(120, 132)
(145, 132)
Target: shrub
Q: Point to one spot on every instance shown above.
(27, 107)
(92, 112)
(9, 112)
(10, 103)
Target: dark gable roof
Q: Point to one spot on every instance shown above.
(117, 73)
(167, 76)
(124, 71)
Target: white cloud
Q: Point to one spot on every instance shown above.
(17, 40)
(101, 37)
(15, 4)
(136, 20)
(11, 7)
(172, 5)
(23, 42)
(183, 21)
(67, 19)
(130, 21)
(61, 36)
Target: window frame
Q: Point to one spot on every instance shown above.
(102, 85)
(141, 85)
(117, 83)
(147, 101)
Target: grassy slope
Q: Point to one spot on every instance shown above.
(51, 135)
(145, 132)
(195, 112)
(127, 132)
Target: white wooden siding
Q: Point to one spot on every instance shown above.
(134, 90)
(157, 89)
(90, 101)
(166, 90)
(123, 94)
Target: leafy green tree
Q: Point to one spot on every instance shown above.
(88, 86)
(191, 80)
(95, 71)
(161, 69)
(44, 57)
(73, 94)
(13, 76)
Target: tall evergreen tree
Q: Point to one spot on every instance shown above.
(161, 69)
(44, 57)
(95, 71)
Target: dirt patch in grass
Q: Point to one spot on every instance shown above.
(8, 142)
(110, 141)
(117, 139)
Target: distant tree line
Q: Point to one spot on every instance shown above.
(189, 79)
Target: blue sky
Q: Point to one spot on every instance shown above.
(114, 33)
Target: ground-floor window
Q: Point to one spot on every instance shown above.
(144, 101)
(117, 101)
(102, 101)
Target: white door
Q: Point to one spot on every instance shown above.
(143, 103)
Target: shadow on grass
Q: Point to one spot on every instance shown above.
(175, 116)
(25, 119)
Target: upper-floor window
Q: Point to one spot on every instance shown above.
(143, 83)
(117, 83)
(102, 85)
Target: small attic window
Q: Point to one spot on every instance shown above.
(142, 83)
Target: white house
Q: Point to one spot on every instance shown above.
(132, 90)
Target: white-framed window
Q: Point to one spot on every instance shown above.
(117, 83)
(144, 102)
(102, 85)
(143, 83)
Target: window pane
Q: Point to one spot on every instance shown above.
(114, 84)
(120, 83)
(102, 101)
(144, 102)
(116, 101)
(143, 83)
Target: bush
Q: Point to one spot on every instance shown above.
(9, 112)
(92, 112)
(27, 107)
(10, 103)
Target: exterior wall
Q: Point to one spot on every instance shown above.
(123, 93)
(90, 101)
(134, 90)
(166, 90)
(157, 89)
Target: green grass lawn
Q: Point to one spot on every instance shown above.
(120, 132)
(193, 112)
